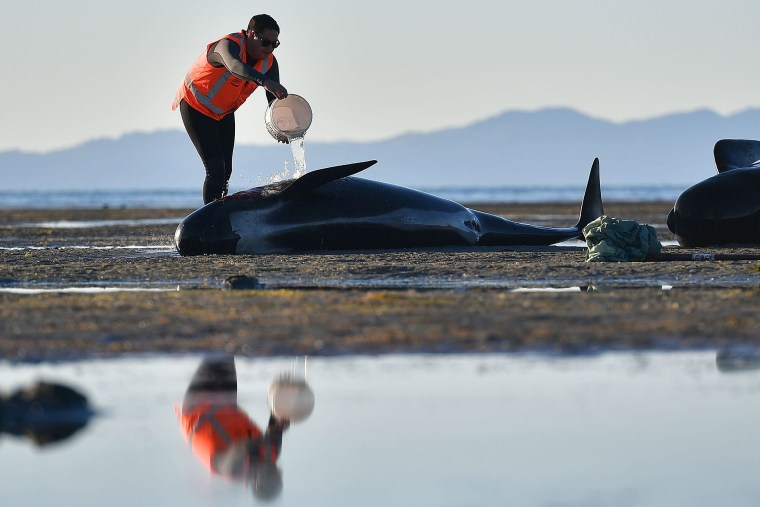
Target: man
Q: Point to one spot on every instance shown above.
(219, 82)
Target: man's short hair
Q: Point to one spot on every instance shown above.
(261, 22)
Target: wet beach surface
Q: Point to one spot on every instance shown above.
(59, 270)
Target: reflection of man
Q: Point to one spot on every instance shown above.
(222, 435)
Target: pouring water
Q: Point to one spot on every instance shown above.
(287, 120)
(299, 155)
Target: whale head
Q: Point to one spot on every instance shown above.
(206, 231)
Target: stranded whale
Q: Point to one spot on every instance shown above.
(724, 208)
(329, 209)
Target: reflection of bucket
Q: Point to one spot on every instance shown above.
(291, 398)
(288, 118)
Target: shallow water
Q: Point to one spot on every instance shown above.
(88, 224)
(616, 429)
(82, 290)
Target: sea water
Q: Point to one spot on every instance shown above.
(192, 198)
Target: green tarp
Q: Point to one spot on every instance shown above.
(612, 240)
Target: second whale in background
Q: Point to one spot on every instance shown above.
(724, 208)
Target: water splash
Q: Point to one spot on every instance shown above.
(299, 159)
(282, 175)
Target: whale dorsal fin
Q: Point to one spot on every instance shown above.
(316, 179)
(736, 154)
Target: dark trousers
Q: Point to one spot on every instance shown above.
(214, 140)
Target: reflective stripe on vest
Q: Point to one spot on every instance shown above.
(207, 99)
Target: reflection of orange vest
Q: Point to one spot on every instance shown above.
(216, 92)
(212, 429)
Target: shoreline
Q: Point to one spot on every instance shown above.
(442, 300)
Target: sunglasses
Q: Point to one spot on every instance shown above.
(267, 42)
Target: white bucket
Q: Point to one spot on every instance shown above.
(288, 118)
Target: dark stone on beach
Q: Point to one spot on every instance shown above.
(242, 282)
(44, 412)
(111, 338)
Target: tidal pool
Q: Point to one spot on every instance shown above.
(617, 429)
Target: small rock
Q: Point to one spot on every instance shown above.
(242, 282)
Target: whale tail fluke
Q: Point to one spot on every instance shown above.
(735, 154)
(498, 231)
(591, 207)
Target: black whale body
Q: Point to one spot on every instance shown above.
(329, 209)
(725, 208)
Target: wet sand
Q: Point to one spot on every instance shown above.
(323, 303)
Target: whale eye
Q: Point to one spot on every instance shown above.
(472, 224)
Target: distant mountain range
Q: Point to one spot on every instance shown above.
(553, 147)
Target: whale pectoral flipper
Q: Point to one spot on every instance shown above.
(316, 179)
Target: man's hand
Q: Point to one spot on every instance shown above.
(275, 89)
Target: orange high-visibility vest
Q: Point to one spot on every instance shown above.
(216, 92)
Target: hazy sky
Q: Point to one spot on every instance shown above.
(82, 69)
